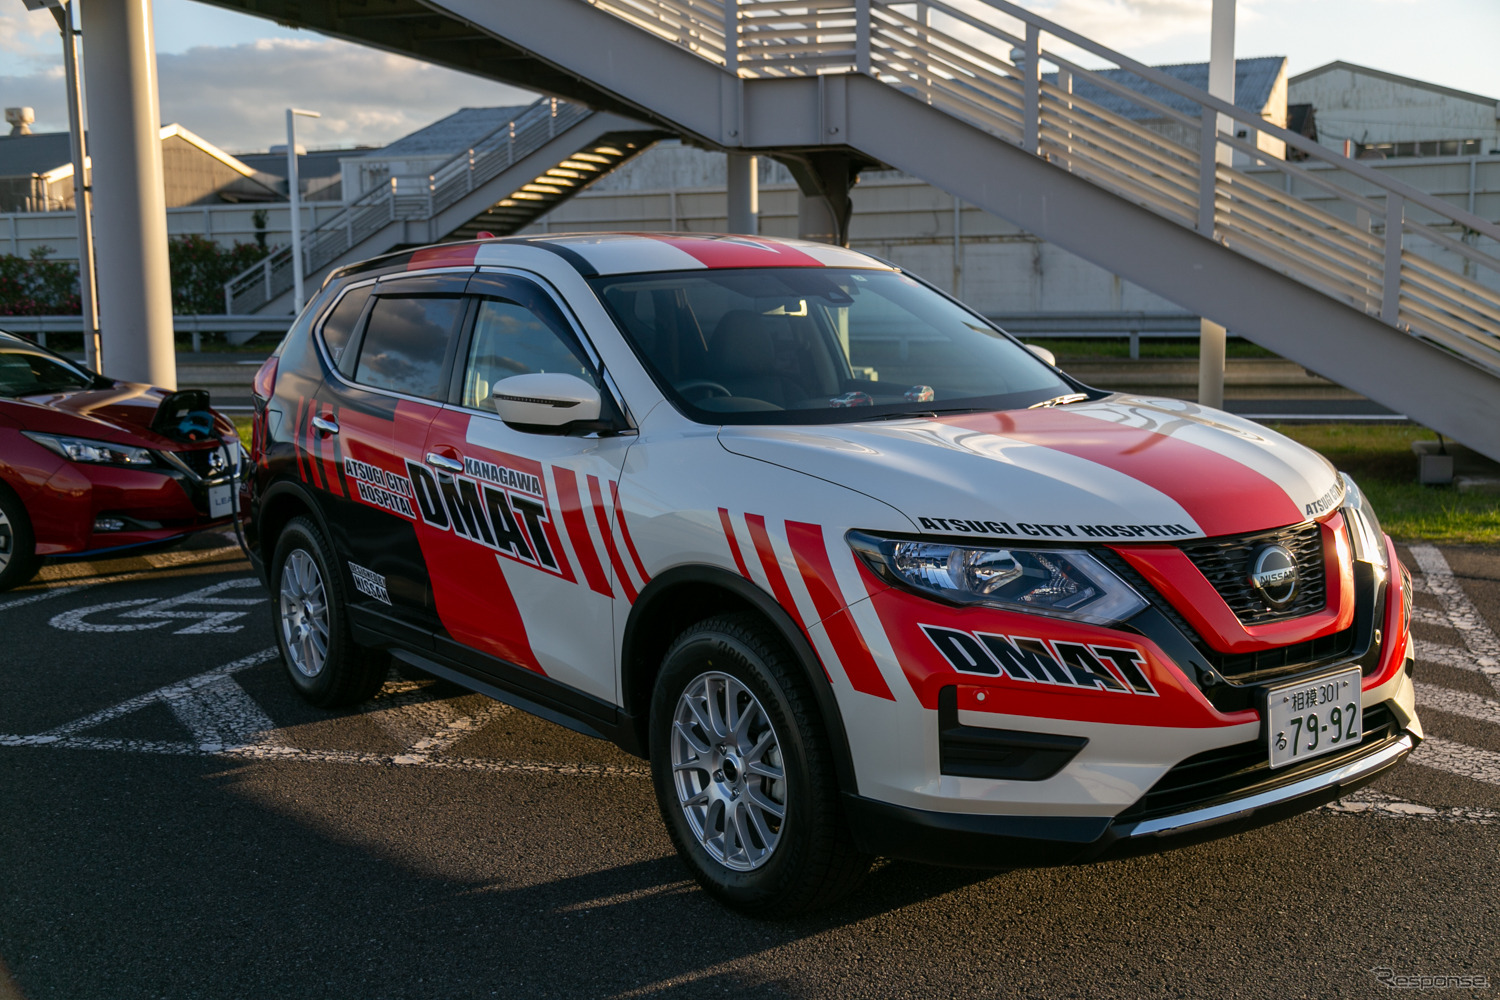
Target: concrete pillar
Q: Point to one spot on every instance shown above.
(815, 219)
(1211, 338)
(743, 193)
(1221, 85)
(130, 212)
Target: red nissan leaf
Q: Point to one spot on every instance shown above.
(91, 465)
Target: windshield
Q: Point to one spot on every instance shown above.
(817, 345)
(26, 371)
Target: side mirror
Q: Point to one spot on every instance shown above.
(546, 401)
(1043, 353)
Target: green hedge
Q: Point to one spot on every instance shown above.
(38, 286)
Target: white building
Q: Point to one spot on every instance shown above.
(1385, 115)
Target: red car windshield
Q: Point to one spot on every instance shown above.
(818, 345)
(27, 371)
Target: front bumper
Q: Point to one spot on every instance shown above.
(152, 506)
(973, 840)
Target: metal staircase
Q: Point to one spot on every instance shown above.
(1386, 290)
(509, 178)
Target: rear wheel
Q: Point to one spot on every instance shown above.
(743, 772)
(312, 625)
(18, 562)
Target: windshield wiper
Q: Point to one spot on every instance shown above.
(1063, 400)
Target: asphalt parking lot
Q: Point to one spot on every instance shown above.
(174, 822)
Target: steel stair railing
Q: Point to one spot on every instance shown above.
(394, 201)
(1379, 246)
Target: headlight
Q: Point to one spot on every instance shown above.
(1364, 526)
(1063, 583)
(90, 451)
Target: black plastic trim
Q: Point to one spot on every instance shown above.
(1011, 754)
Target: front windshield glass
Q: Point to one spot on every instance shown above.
(26, 371)
(817, 345)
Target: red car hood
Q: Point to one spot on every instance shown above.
(121, 414)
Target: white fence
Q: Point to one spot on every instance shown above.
(21, 232)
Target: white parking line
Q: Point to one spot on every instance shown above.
(225, 721)
(45, 595)
(1368, 802)
(1445, 699)
(168, 694)
(1458, 758)
(1480, 640)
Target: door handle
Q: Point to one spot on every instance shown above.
(444, 462)
(327, 425)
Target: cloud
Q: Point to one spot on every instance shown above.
(236, 95)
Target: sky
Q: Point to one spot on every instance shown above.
(229, 76)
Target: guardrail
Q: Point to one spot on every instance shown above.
(985, 63)
(402, 199)
(237, 329)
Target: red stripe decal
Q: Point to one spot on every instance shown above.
(452, 255)
(734, 545)
(578, 531)
(772, 566)
(1222, 495)
(635, 557)
(768, 562)
(817, 573)
(609, 540)
(739, 251)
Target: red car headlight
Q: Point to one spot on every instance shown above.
(89, 451)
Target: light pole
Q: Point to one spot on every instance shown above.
(88, 297)
(294, 187)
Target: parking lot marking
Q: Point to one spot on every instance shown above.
(1431, 616)
(45, 595)
(225, 721)
(1458, 758)
(420, 723)
(167, 694)
(1368, 802)
(150, 614)
(1445, 699)
(1481, 641)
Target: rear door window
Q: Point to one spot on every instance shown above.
(406, 343)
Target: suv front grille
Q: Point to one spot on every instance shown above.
(1226, 564)
(1244, 769)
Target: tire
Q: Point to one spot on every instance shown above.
(312, 624)
(18, 561)
(723, 815)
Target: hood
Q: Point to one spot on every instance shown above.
(1122, 468)
(121, 413)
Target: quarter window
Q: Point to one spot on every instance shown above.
(340, 323)
(406, 344)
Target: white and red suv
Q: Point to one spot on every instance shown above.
(856, 571)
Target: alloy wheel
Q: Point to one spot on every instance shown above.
(304, 613)
(727, 767)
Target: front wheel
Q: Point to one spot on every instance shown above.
(312, 626)
(743, 772)
(18, 561)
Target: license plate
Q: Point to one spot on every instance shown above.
(220, 501)
(1311, 718)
